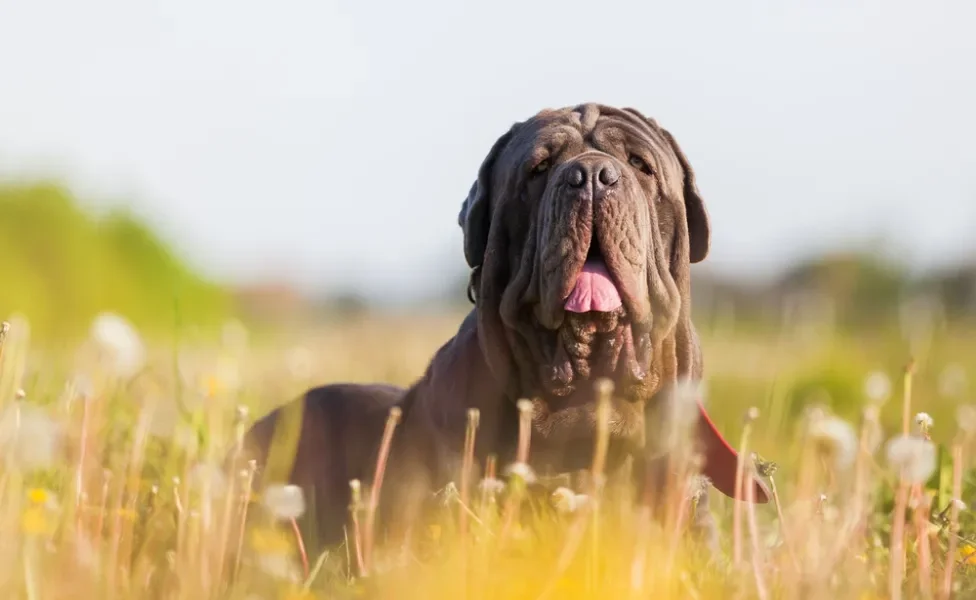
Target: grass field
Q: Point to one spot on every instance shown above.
(110, 484)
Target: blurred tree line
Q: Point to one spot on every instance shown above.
(60, 266)
(849, 292)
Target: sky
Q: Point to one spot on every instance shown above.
(329, 144)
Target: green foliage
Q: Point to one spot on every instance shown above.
(61, 266)
(835, 386)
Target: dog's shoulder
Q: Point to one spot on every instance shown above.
(456, 379)
(458, 372)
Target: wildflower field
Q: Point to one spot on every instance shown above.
(112, 482)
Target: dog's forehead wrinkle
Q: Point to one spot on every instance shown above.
(589, 115)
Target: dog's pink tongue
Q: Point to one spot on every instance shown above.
(594, 291)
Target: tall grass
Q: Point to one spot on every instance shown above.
(112, 486)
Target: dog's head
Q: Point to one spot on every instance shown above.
(580, 231)
(581, 228)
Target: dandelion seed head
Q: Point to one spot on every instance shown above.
(953, 381)
(29, 438)
(521, 470)
(491, 486)
(120, 344)
(836, 438)
(284, 502)
(877, 387)
(911, 457)
(923, 422)
(966, 418)
(567, 501)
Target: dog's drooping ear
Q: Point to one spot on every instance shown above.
(475, 215)
(699, 228)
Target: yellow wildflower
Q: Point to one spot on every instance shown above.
(213, 386)
(36, 521)
(38, 496)
(967, 554)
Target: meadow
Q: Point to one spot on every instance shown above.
(111, 483)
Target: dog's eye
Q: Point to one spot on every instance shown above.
(540, 168)
(639, 164)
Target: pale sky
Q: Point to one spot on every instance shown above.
(330, 143)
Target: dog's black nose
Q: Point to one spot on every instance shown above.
(608, 174)
(577, 176)
(599, 173)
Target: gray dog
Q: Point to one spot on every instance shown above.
(580, 231)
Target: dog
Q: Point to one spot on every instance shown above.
(580, 230)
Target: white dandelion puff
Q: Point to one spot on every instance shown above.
(966, 418)
(912, 458)
(285, 502)
(877, 387)
(120, 342)
(567, 501)
(491, 486)
(953, 381)
(29, 438)
(924, 422)
(836, 437)
(522, 471)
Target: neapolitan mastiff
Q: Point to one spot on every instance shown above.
(580, 231)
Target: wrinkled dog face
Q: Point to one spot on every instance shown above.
(583, 222)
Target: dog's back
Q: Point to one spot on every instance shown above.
(321, 442)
